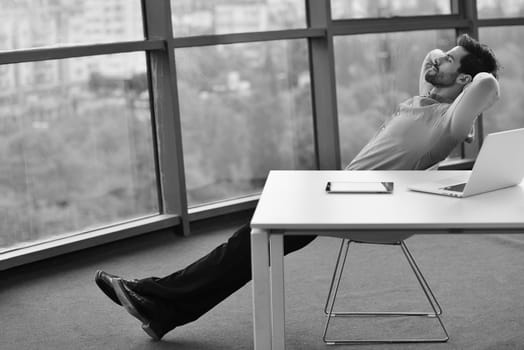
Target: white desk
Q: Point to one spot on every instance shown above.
(295, 202)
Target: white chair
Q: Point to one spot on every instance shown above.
(381, 239)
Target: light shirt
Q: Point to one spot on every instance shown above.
(415, 137)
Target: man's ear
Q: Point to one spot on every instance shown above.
(464, 79)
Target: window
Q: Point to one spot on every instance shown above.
(245, 109)
(374, 73)
(500, 8)
(43, 23)
(202, 17)
(83, 151)
(507, 43)
(387, 8)
(76, 148)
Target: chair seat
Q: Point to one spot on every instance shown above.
(380, 237)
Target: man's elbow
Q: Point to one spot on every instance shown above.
(487, 82)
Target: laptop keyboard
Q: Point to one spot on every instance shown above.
(455, 188)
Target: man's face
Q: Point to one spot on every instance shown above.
(445, 69)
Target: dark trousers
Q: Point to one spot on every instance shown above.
(203, 284)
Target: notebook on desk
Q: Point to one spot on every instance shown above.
(499, 164)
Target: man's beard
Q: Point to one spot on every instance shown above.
(438, 79)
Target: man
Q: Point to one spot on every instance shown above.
(455, 87)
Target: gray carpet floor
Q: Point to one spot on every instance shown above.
(478, 280)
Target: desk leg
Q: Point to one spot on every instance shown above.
(261, 289)
(276, 257)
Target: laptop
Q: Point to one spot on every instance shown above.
(499, 164)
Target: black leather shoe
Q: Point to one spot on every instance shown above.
(103, 281)
(148, 311)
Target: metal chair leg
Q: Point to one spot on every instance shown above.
(336, 271)
(333, 290)
(422, 281)
(334, 297)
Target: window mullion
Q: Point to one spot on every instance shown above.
(170, 164)
(468, 10)
(322, 70)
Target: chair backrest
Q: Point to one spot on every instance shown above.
(434, 166)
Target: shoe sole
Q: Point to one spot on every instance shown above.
(131, 309)
(107, 289)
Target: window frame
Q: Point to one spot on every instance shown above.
(159, 44)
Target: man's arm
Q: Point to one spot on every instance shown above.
(423, 86)
(478, 96)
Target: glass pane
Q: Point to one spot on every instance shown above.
(191, 17)
(374, 73)
(76, 147)
(500, 8)
(387, 8)
(245, 109)
(507, 43)
(28, 23)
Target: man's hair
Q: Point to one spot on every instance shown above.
(480, 57)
